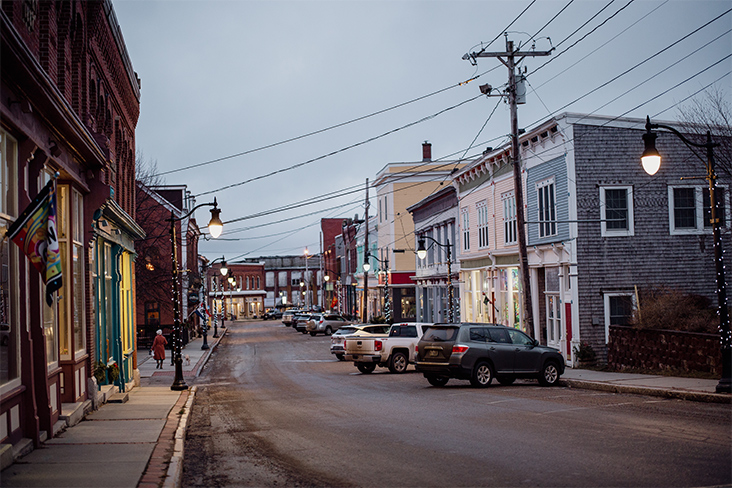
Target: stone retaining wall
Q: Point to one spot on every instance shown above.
(663, 350)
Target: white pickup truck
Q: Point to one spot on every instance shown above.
(394, 350)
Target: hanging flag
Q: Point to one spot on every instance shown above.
(201, 311)
(35, 233)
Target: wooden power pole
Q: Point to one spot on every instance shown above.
(509, 59)
(364, 308)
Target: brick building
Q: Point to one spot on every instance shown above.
(70, 103)
(153, 267)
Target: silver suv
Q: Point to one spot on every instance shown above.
(480, 352)
(325, 323)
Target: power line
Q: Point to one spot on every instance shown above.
(319, 131)
(371, 139)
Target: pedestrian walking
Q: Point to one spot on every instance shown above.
(158, 348)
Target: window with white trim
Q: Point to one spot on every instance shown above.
(509, 218)
(619, 307)
(616, 211)
(690, 210)
(465, 215)
(547, 208)
(482, 210)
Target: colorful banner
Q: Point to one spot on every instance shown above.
(35, 233)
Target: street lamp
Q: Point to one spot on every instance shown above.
(651, 160)
(215, 227)
(223, 269)
(232, 280)
(422, 253)
(387, 295)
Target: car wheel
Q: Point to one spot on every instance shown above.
(482, 375)
(506, 380)
(312, 333)
(437, 380)
(366, 368)
(341, 357)
(398, 363)
(549, 374)
(328, 330)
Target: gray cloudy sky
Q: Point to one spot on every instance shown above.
(221, 78)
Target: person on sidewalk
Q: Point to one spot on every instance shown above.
(158, 348)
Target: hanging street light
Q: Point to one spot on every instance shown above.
(651, 160)
(387, 295)
(215, 228)
(422, 253)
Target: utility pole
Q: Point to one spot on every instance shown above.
(508, 58)
(364, 310)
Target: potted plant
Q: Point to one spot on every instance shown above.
(113, 372)
(584, 354)
(100, 373)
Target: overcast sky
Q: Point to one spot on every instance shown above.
(221, 78)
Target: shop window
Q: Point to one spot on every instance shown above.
(9, 259)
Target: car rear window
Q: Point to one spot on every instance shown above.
(346, 330)
(440, 334)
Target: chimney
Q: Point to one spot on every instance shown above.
(426, 151)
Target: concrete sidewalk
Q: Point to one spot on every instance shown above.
(135, 441)
(694, 389)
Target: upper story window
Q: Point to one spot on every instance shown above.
(482, 210)
(509, 218)
(465, 215)
(690, 210)
(546, 195)
(616, 211)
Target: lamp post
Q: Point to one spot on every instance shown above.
(231, 279)
(387, 295)
(307, 280)
(223, 269)
(422, 253)
(215, 226)
(651, 160)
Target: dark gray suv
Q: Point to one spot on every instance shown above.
(479, 352)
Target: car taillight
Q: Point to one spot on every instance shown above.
(378, 345)
(416, 350)
(457, 349)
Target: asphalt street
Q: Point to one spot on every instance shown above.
(274, 408)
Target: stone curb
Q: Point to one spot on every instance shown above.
(204, 359)
(694, 396)
(175, 468)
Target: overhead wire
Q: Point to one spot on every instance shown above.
(346, 148)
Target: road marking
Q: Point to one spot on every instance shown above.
(223, 383)
(311, 361)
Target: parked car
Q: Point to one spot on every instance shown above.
(272, 314)
(325, 323)
(363, 330)
(394, 351)
(288, 315)
(480, 352)
(299, 321)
